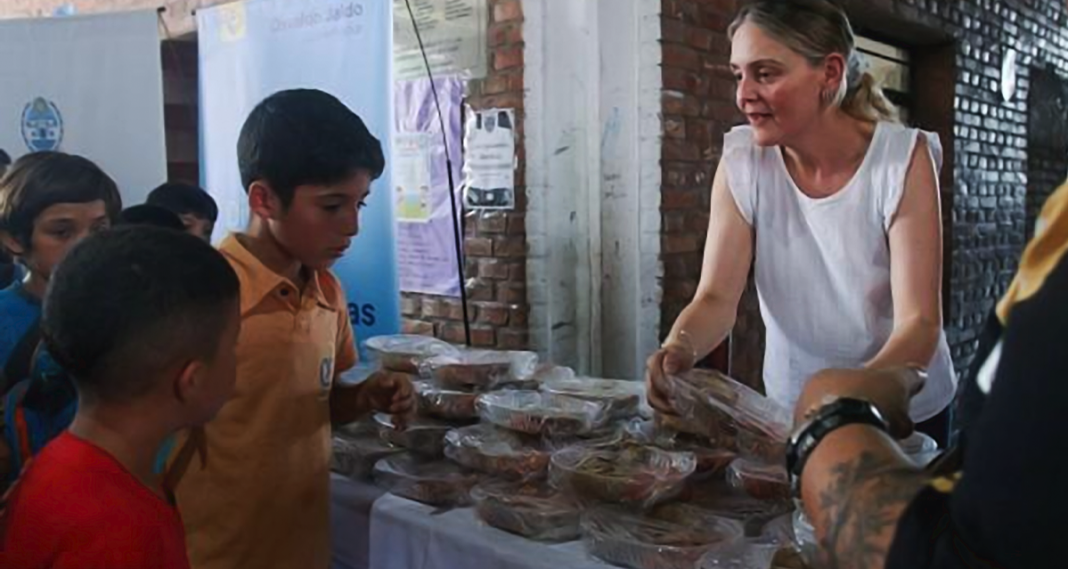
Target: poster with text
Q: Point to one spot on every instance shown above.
(490, 161)
(453, 33)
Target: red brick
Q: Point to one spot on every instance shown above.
(433, 307)
(517, 272)
(504, 33)
(495, 85)
(503, 101)
(454, 309)
(512, 293)
(681, 57)
(676, 103)
(678, 174)
(674, 222)
(510, 247)
(493, 314)
(481, 336)
(493, 269)
(513, 339)
(700, 132)
(672, 30)
(698, 38)
(507, 58)
(678, 244)
(519, 316)
(720, 111)
(417, 327)
(507, 10)
(478, 289)
(411, 305)
(697, 222)
(492, 222)
(517, 224)
(683, 289)
(683, 151)
(715, 20)
(674, 127)
(478, 247)
(471, 267)
(678, 199)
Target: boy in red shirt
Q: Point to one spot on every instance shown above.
(146, 321)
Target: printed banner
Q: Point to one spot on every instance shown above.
(87, 85)
(251, 49)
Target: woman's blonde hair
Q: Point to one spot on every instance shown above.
(815, 29)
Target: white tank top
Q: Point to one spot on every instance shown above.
(823, 265)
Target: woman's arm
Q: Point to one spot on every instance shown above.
(728, 255)
(915, 238)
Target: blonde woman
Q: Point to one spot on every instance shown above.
(836, 206)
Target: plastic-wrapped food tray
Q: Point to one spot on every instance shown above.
(711, 461)
(503, 454)
(673, 537)
(536, 413)
(718, 496)
(404, 352)
(479, 369)
(623, 398)
(436, 483)
(355, 457)
(425, 437)
(448, 404)
(532, 510)
(920, 448)
(716, 406)
(759, 480)
(626, 474)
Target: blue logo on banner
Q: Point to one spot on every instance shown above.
(42, 125)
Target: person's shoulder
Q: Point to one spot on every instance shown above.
(739, 136)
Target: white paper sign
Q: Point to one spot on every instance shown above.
(454, 35)
(489, 160)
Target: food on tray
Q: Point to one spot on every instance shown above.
(448, 404)
(503, 454)
(621, 397)
(422, 436)
(533, 412)
(761, 446)
(533, 510)
(479, 369)
(626, 474)
(711, 461)
(711, 404)
(356, 456)
(754, 514)
(405, 352)
(672, 537)
(436, 483)
(760, 480)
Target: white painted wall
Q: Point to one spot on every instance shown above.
(593, 176)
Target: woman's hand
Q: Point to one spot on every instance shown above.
(673, 358)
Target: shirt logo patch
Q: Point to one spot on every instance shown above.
(326, 372)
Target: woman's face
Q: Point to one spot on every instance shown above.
(778, 91)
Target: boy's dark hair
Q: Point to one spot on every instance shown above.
(153, 215)
(305, 136)
(41, 180)
(185, 199)
(5, 161)
(128, 303)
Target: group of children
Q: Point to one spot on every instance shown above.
(177, 400)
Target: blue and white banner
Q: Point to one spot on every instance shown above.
(251, 49)
(88, 85)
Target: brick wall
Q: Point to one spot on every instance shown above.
(1047, 140)
(495, 244)
(986, 193)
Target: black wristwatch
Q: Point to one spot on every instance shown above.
(829, 418)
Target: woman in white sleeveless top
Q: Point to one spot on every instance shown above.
(835, 202)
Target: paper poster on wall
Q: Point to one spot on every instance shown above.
(426, 250)
(490, 162)
(454, 35)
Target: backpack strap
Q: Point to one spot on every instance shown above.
(196, 444)
(19, 364)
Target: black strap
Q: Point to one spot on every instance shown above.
(20, 363)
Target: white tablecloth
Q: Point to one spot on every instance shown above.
(376, 531)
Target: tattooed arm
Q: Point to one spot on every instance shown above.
(855, 486)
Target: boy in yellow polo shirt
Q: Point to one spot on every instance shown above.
(261, 498)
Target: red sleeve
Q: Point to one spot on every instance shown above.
(125, 547)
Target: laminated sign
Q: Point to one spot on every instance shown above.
(489, 162)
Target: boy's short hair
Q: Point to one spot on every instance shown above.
(185, 199)
(128, 303)
(41, 180)
(153, 215)
(5, 161)
(305, 136)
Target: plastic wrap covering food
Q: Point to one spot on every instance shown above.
(534, 412)
(711, 462)
(533, 510)
(622, 398)
(479, 369)
(503, 454)
(433, 482)
(425, 437)
(404, 352)
(754, 514)
(674, 537)
(625, 474)
(448, 404)
(714, 405)
(805, 533)
(365, 426)
(760, 446)
(355, 457)
(758, 479)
